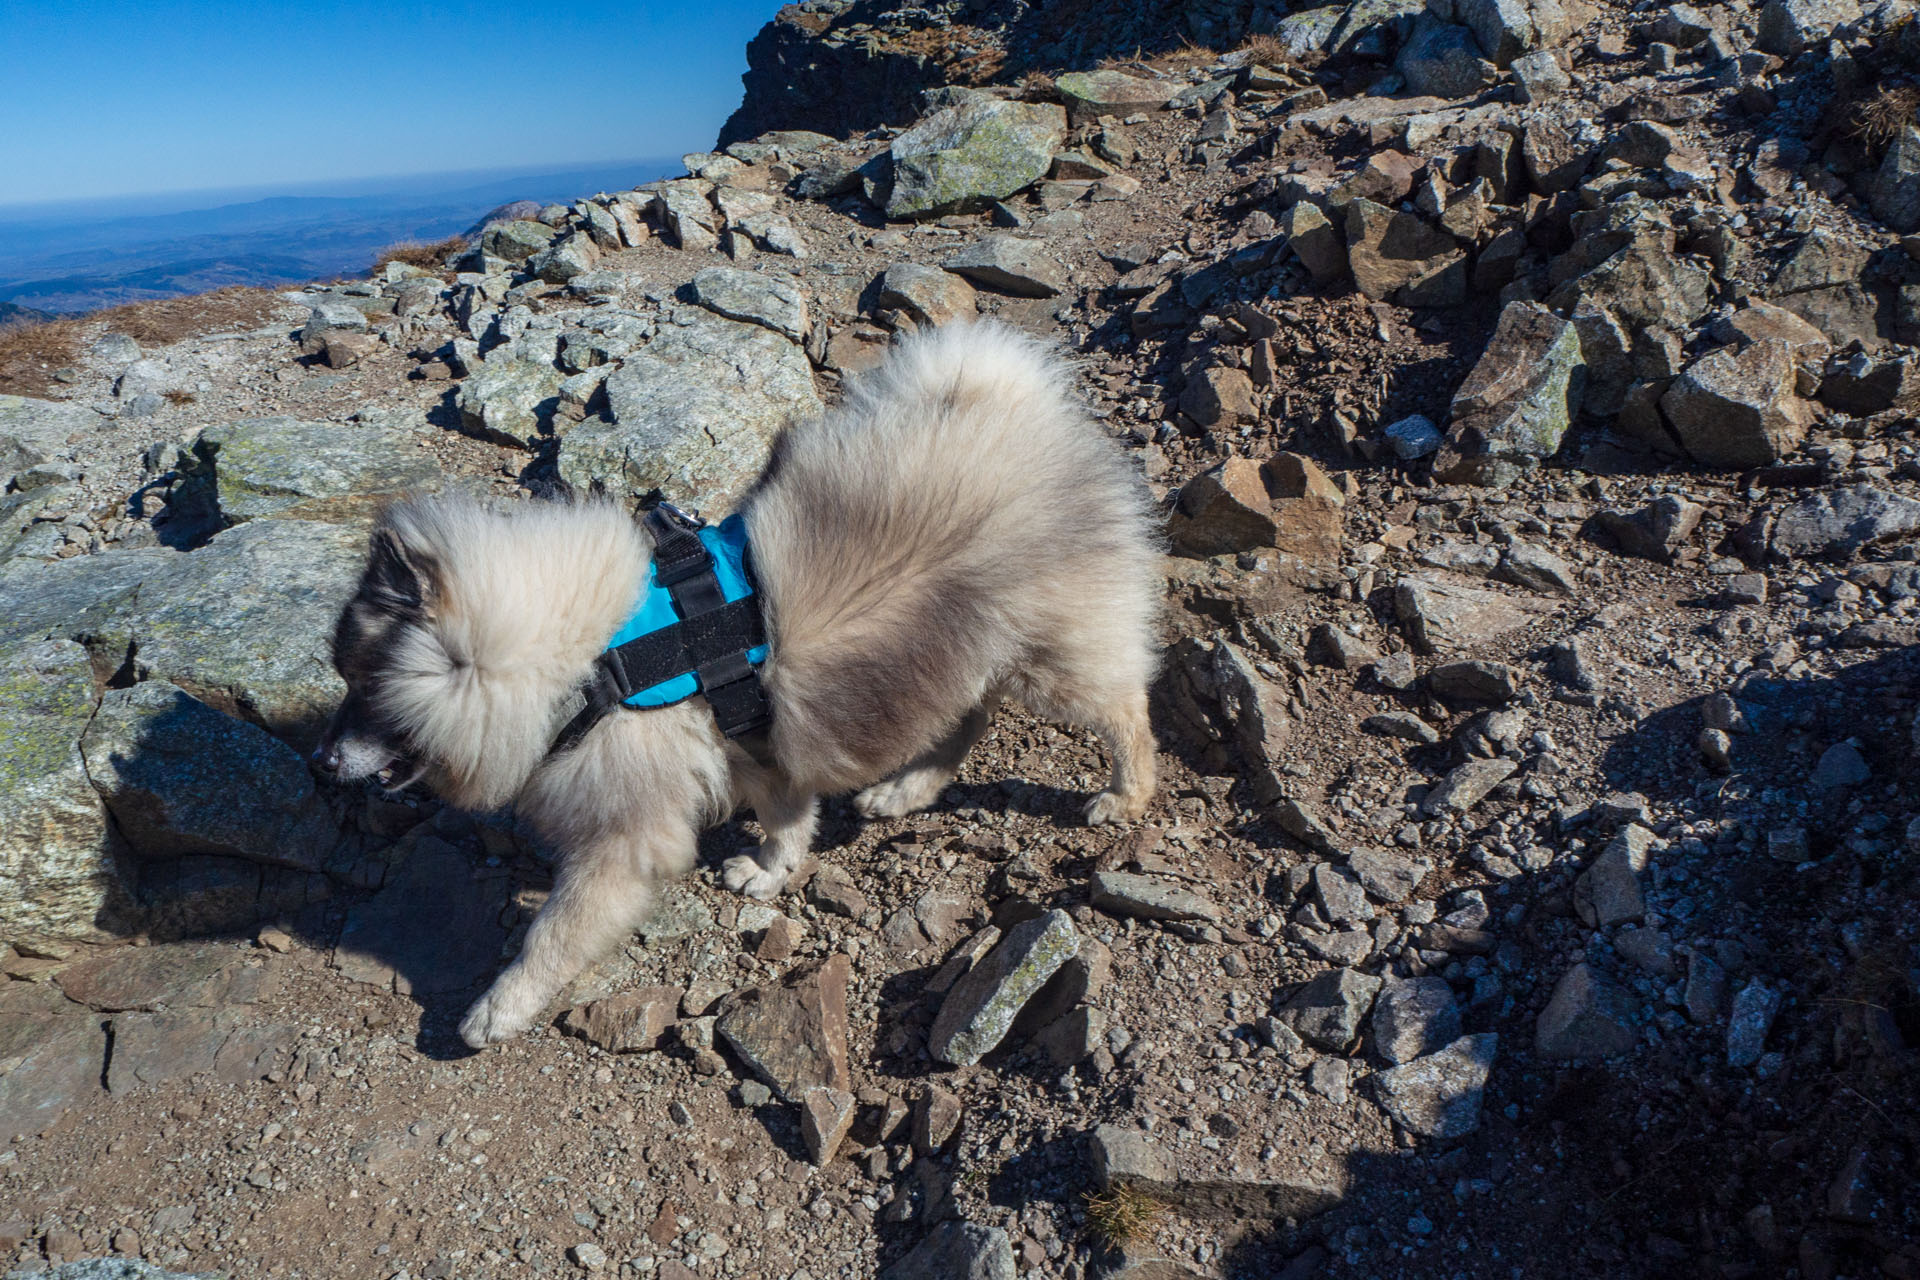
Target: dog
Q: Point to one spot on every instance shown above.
(958, 531)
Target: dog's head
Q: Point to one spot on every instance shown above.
(386, 648)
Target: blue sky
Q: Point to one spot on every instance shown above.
(112, 99)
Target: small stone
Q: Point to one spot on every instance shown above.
(1841, 765)
(1328, 1078)
(1754, 1009)
(588, 1256)
(1328, 1011)
(794, 1033)
(772, 301)
(927, 295)
(1608, 891)
(1657, 530)
(1475, 680)
(1148, 898)
(1413, 437)
(754, 1095)
(1585, 1019)
(826, 1114)
(1387, 877)
(936, 1118)
(633, 1022)
(1010, 265)
(1468, 785)
(1402, 724)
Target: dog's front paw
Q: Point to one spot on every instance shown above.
(897, 797)
(501, 1014)
(1111, 806)
(743, 874)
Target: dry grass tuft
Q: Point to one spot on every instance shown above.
(1122, 1215)
(1878, 120)
(1266, 49)
(414, 253)
(178, 397)
(32, 352)
(1186, 57)
(1037, 86)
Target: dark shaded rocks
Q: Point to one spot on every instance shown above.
(1474, 680)
(1585, 1019)
(1413, 1017)
(181, 778)
(1443, 60)
(385, 944)
(1517, 403)
(793, 1033)
(1755, 1006)
(1012, 265)
(1219, 396)
(1608, 891)
(1738, 408)
(1313, 239)
(980, 1009)
(1467, 785)
(962, 158)
(1788, 26)
(1895, 193)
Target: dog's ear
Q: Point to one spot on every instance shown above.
(399, 577)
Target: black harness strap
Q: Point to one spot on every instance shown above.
(711, 640)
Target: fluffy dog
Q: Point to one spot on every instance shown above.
(955, 533)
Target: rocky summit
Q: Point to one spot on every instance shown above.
(1530, 392)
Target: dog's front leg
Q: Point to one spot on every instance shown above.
(600, 894)
(787, 818)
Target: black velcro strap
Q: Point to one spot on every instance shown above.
(678, 553)
(687, 645)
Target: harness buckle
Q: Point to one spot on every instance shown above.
(690, 521)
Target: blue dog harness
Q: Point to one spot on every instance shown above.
(697, 630)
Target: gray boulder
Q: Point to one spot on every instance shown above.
(515, 240)
(565, 258)
(180, 778)
(694, 413)
(36, 431)
(963, 157)
(1399, 257)
(1840, 523)
(1506, 29)
(1895, 193)
(1444, 60)
(979, 1010)
(927, 295)
(57, 878)
(1329, 1011)
(1738, 408)
(1092, 94)
(774, 302)
(508, 400)
(688, 215)
(957, 1251)
(1788, 26)
(244, 623)
(1519, 400)
(329, 471)
(1439, 1096)
(1585, 1019)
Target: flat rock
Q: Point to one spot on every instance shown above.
(1475, 680)
(771, 301)
(1439, 1095)
(957, 1251)
(1009, 264)
(1518, 400)
(1122, 893)
(694, 413)
(826, 1114)
(36, 431)
(157, 1048)
(1585, 1019)
(1467, 785)
(180, 778)
(57, 1065)
(1839, 523)
(1329, 1010)
(962, 158)
(385, 943)
(1092, 94)
(1231, 1182)
(1608, 891)
(980, 1009)
(1656, 531)
(927, 295)
(333, 471)
(1387, 877)
(508, 400)
(119, 1269)
(1755, 1007)
(1895, 192)
(128, 979)
(631, 1022)
(1441, 615)
(1399, 257)
(793, 1033)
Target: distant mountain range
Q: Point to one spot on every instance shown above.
(82, 258)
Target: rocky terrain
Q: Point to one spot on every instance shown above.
(1531, 392)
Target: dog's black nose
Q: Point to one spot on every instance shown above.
(326, 758)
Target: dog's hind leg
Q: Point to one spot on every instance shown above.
(787, 818)
(919, 783)
(601, 892)
(1129, 737)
